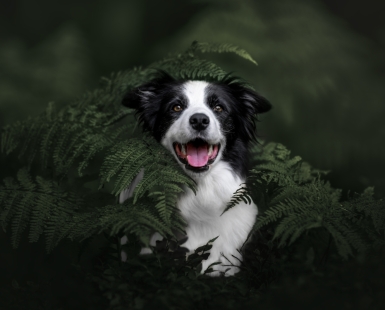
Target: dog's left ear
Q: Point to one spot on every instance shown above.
(250, 105)
(146, 99)
(254, 102)
(251, 102)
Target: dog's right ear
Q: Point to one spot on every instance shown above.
(146, 99)
(143, 94)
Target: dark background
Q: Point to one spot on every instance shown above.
(321, 65)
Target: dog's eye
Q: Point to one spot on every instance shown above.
(177, 108)
(218, 108)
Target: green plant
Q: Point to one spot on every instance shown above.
(65, 169)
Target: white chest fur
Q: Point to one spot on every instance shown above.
(205, 221)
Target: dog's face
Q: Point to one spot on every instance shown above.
(199, 122)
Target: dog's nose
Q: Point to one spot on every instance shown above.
(199, 121)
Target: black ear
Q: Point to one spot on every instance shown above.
(146, 99)
(249, 105)
(254, 102)
(252, 105)
(144, 93)
(138, 96)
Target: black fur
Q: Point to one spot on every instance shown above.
(154, 101)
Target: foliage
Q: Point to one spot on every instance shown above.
(65, 168)
(91, 127)
(299, 201)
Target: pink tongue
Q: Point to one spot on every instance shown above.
(197, 156)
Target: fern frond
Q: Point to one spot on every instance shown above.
(188, 65)
(276, 165)
(39, 203)
(301, 201)
(366, 205)
(242, 194)
(140, 218)
(162, 177)
(206, 47)
(191, 68)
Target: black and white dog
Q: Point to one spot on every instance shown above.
(208, 128)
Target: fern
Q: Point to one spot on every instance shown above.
(62, 144)
(290, 192)
(300, 201)
(140, 219)
(59, 214)
(188, 66)
(162, 177)
(40, 204)
(242, 194)
(76, 134)
(76, 160)
(205, 47)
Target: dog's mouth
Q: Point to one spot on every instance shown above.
(196, 154)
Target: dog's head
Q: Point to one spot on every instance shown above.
(199, 122)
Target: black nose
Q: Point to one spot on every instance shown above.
(199, 121)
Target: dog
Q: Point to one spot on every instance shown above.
(208, 127)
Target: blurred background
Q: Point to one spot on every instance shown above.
(321, 64)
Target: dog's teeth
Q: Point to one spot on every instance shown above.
(183, 149)
(210, 150)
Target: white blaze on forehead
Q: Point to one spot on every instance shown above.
(195, 91)
(181, 131)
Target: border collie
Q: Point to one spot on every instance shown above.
(207, 126)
